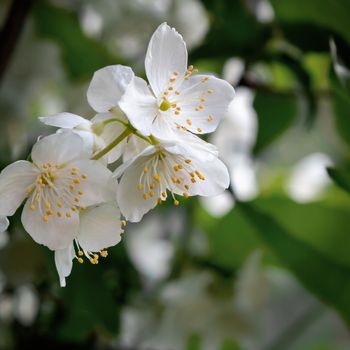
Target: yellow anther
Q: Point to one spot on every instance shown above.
(188, 121)
(74, 169)
(177, 92)
(172, 79)
(59, 214)
(210, 118)
(199, 130)
(176, 168)
(47, 205)
(174, 179)
(73, 207)
(80, 253)
(76, 199)
(176, 202)
(71, 187)
(180, 166)
(174, 105)
(170, 88)
(152, 186)
(164, 194)
(190, 68)
(49, 212)
(45, 218)
(185, 194)
(59, 204)
(80, 192)
(186, 187)
(80, 260)
(178, 181)
(210, 91)
(156, 178)
(202, 99)
(145, 169)
(176, 73)
(139, 186)
(193, 180)
(96, 256)
(151, 194)
(32, 207)
(68, 214)
(84, 176)
(144, 196)
(58, 166)
(177, 112)
(192, 174)
(166, 93)
(104, 253)
(165, 105)
(76, 181)
(196, 109)
(122, 222)
(159, 200)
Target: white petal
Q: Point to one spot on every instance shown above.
(134, 146)
(14, 182)
(100, 227)
(64, 263)
(129, 198)
(98, 187)
(139, 105)
(57, 233)
(4, 223)
(58, 148)
(166, 54)
(64, 120)
(107, 87)
(215, 104)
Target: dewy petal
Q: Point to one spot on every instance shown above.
(58, 148)
(64, 120)
(204, 101)
(15, 181)
(4, 223)
(139, 105)
(107, 87)
(57, 233)
(131, 202)
(166, 54)
(100, 227)
(97, 185)
(64, 263)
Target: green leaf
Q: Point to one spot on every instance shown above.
(341, 177)
(333, 15)
(329, 280)
(276, 113)
(341, 102)
(80, 54)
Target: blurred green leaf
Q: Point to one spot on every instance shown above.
(330, 14)
(276, 113)
(341, 177)
(80, 54)
(341, 101)
(230, 345)
(330, 281)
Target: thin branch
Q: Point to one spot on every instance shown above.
(11, 31)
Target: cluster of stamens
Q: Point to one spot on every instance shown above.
(93, 257)
(164, 172)
(57, 191)
(172, 100)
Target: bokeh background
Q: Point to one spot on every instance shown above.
(264, 266)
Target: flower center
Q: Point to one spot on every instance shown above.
(166, 171)
(165, 105)
(57, 191)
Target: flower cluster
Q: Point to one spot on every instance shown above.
(73, 202)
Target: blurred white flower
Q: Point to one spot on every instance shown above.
(309, 178)
(150, 250)
(91, 21)
(235, 138)
(218, 206)
(7, 304)
(26, 304)
(233, 70)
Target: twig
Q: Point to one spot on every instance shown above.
(11, 31)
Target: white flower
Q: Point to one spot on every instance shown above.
(184, 169)
(58, 184)
(97, 133)
(100, 228)
(176, 97)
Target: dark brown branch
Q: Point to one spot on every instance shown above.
(11, 31)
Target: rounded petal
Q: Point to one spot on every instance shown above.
(166, 54)
(98, 185)
(15, 181)
(64, 120)
(107, 87)
(59, 148)
(130, 200)
(139, 105)
(100, 227)
(64, 263)
(4, 223)
(56, 233)
(203, 102)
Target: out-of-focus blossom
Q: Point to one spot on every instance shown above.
(218, 206)
(233, 70)
(309, 178)
(235, 138)
(26, 304)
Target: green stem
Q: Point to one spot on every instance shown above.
(115, 120)
(114, 143)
